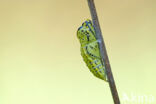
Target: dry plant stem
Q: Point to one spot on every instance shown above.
(103, 52)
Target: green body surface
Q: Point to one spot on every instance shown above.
(90, 49)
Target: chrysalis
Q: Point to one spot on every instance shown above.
(90, 49)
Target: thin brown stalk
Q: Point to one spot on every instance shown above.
(103, 52)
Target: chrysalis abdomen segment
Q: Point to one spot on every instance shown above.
(94, 65)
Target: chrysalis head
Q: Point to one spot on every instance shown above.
(82, 35)
(87, 23)
(86, 33)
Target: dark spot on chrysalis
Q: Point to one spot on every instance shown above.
(93, 67)
(95, 62)
(90, 62)
(91, 47)
(96, 46)
(87, 34)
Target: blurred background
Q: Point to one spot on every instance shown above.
(40, 61)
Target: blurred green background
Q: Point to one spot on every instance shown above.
(40, 60)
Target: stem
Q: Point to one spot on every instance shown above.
(103, 52)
